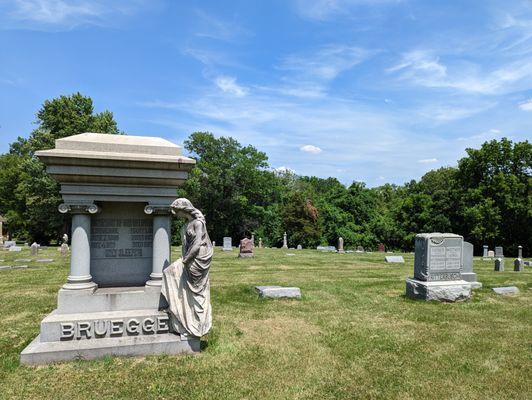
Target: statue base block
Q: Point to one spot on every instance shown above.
(449, 291)
(39, 352)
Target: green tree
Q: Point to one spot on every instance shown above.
(30, 205)
(231, 183)
(495, 182)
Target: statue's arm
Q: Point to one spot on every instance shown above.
(195, 246)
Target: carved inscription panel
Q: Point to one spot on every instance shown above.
(121, 245)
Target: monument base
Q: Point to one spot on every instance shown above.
(95, 323)
(471, 277)
(439, 291)
(245, 255)
(39, 352)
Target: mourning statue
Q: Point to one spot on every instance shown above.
(186, 281)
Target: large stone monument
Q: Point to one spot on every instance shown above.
(499, 251)
(467, 273)
(119, 191)
(438, 266)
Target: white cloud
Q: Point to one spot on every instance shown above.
(526, 106)
(427, 160)
(228, 85)
(213, 27)
(323, 10)
(422, 68)
(284, 170)
(308, 148)
(327, 62)
(63, 14)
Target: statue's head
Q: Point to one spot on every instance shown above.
(183, 207)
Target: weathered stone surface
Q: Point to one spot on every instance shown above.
(285, 241)
(228, 244)
(25, 260)
(449, 291)
(15, 248)
(438, 257)
(9, 243)
(20, 267)
(276, 292)
(506, 290)
(499, 264)
(491, 254)
(2, 267)
(39, 352)
(467, 272)
(326, 248)
(341, 245)
(485, 250)
(34, 248)
(299, 247)
(360, 249)
(394, 259)
(246, 248)
(45, 260)
(119, 190)
(499, 251)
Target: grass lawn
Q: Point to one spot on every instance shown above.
(353, 335)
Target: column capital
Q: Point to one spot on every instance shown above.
(157, 209)
(78, 208)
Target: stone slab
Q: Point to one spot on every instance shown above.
(110, 299)
(395, 259)
(15, 248)
(45, 260)
(23, 260)
(38, 352)
(2, 267)
(19, 267)
(506, 290)
(448, 291)
(277, 292)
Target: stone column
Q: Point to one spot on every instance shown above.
(161, 242)
(80, 259)
(285, 241)
(485, 251)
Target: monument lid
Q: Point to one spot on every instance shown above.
(102, 167)
(101, 146)
(438, 235)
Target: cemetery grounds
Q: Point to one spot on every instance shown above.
(352, 335)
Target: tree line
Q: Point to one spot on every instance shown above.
(486, 197)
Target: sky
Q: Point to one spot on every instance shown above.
(363, 90)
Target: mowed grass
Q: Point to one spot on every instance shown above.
(352, 335)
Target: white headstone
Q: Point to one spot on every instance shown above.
(228, 244)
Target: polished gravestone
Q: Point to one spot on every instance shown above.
(118, 190)
(438, 265)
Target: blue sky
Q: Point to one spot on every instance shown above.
(368, 90)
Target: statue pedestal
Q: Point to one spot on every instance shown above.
(90, 324)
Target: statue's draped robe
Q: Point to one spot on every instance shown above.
(187, 289)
